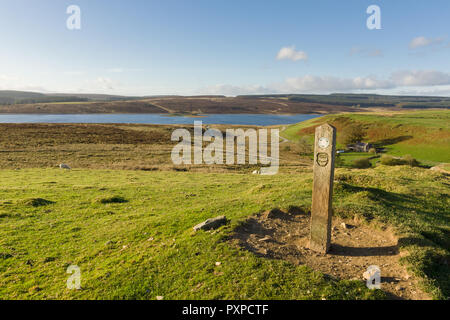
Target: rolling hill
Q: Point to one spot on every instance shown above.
(31, 102)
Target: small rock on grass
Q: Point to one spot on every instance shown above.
(212, 223)
(266, 238)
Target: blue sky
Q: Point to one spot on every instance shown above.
(225, 47)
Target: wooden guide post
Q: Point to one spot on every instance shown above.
(321, 211)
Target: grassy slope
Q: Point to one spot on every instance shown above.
(77, 229)
(423, 134)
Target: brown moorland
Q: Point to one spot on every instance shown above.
(112, 146)
(180, 105)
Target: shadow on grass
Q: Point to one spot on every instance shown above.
(394, 201)
(432, 265)
(114, 199)
(339, 250)
(390, 141)
(431, 242)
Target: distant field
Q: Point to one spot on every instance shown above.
(425, 135)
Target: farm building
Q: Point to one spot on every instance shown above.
(360, 147)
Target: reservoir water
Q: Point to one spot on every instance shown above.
(237, 119)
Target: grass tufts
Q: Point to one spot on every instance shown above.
(113, 199)
(37, 202)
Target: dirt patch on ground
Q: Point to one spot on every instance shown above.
(441, 168)
(285, 235)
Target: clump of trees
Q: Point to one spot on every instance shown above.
(352, 132)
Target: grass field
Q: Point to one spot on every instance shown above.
(349, 158)
(130, 231)
(425, 135)
(145, 247)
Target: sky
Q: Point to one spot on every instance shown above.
(229, 47)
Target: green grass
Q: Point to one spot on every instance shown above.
(425, 135)
(428, 154)
(145, 247)
(348, 158)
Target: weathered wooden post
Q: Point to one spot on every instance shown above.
(324, 154)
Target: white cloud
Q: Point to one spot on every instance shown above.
(104, 83)
(229, 90)
(421, 41)
(420, 78)
(100, 84)
(289, 53)
(310, 83)
(13, 82)
(443, 91)
(402, 82)
(414, 81)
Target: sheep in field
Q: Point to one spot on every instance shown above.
(64, 166)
